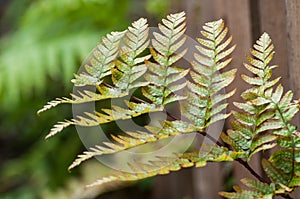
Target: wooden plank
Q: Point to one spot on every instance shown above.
(293, 52)
(236, 15)
(293, 43)
(238, 18)
(179, 185)
(276, 27)
(208, 180)
(176, 185)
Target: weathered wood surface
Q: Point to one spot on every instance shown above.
(247, 20)
(293, 52)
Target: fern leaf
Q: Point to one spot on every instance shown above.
(256, 189)
(164, 76)
(116, 113)
(167, 164)
(101, 60)
(84, 96)
(133, 139)
(207, 80)
(274, 173)
(265, 114)
(131, 67)
(283, 167)
(162, 166)
(52, 104)
(58, 128)
(107, 115)
(258, 186)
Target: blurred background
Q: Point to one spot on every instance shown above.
(43, 42)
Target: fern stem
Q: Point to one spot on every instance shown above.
(249, 168)
(285, 122)
(293, 162)
(240, 161)
(211, 138)
(292, 140)
(139, 99)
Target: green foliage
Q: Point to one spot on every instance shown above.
(42, 48)
(38, 56)
(122, 65)
(157, 7)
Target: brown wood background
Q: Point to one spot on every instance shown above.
(247, 20)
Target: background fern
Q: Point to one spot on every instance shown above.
(41, 48)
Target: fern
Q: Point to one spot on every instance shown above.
(263, 123)
(265, 114)
(258, 190)
(165, 165)
(43, 48)
(100, 65)
(160, 84)
(122, 65)
(163, 75)
(205, 102)
(133, 139)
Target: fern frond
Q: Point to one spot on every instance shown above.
(115, 113)
(283, 167)
(165, 165)
(102, 64)
(101, 61)
(265, 114)
(129, 68)
(124, 76)
(58, 128)
(164, 76)
(256, 189)
(133, 139)
(107, 115)
(85, 96)
(205, 104)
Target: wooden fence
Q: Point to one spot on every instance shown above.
(247, 20)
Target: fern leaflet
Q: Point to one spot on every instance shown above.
(205, 102)
(164, 75)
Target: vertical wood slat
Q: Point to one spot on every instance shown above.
(273, 21)
(276, 28)
(293, 42)
(236, 13)
(176, 185)
(293, 52)
(208, 180)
